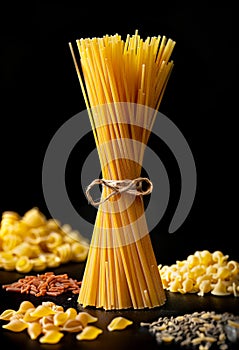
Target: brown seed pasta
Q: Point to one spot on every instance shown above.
(44, 285)
(199, 330)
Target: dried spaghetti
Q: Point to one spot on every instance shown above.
(123, 83)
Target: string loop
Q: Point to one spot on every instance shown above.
(133, 187)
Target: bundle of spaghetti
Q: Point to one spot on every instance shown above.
(123, 83)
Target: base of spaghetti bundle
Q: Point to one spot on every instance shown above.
(114, 308)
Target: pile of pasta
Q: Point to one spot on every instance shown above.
(49, 322)
(32, 242)
(202, 272)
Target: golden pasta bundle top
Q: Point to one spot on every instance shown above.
(123, 83)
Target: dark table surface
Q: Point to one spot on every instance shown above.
(132, 337)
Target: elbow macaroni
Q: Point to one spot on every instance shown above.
(202, 272)
(32, 242)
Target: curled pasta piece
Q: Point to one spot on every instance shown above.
(9, 219)
(79, 251)
(64, 252)
(10, 241)
(219, 257)
(205, 257)
(40, 263)
(52, 260)
(53, 240)
(175, 285)
(234, 267)
(23, 248)
(8, 261)
(187, 286)
(34, 218)
(24, 264)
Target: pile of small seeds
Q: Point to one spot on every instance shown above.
(199, 330)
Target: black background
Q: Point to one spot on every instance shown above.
(40, 91)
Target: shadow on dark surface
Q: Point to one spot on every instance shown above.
(132, 337)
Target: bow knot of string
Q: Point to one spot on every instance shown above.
(133, 187)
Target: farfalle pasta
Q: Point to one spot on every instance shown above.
(32, 242)
(202, 272)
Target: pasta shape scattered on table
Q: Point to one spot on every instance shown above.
(32, 242)
(119, 323)
(49, 322)
(202, 272)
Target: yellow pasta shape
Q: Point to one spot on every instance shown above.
(46, 320)
(234, 267)
(207, 272)
(39, 264)
(119, 323)
(60, 318)
(85, 318)
(16, 325)
(24, 264)
(7, 314)
(25, 306)
(50, 327)
(51, 260)
(44, 242)
(220, 288)
(72, 326)
(42, 310)
(9, 219)
(89, 333)
(53, 240)
(9, 262)
(10, 241)
(34, 218)
(23, 249)
(187, 286)
(64, 252)
(79, 251)
(71, 313)
(204, 287)
(34, 329)
(219, 257)
(51, 337)
(28, 318)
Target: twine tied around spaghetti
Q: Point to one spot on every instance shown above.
(133, 187)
